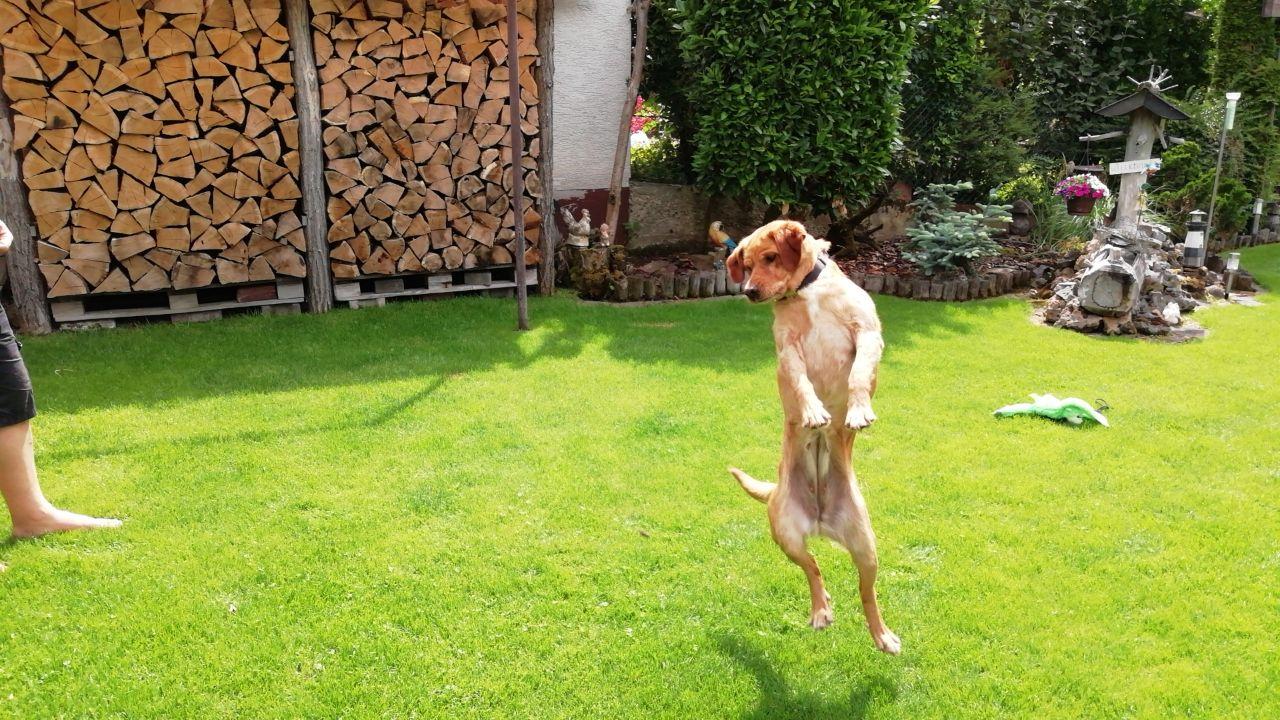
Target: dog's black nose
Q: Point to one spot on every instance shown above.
(753, 294)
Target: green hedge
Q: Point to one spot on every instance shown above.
(796, 101)
(1246, 62)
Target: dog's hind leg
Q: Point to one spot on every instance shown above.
(858, 538)
(791, 539)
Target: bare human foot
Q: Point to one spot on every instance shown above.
(54, 520)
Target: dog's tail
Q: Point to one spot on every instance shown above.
(756, 489)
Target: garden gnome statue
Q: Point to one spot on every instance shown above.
(579, 230)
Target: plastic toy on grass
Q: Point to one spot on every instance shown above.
(1073, 410)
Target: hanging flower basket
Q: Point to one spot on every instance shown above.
(1080, 205)
(1081, 193)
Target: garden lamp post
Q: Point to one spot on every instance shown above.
(1228, 121)
(1233, 266)
(1257, 216)
(1193, 246)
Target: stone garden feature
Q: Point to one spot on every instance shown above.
(1129, 280)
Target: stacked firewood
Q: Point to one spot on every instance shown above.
(158, 141)
(414, 102)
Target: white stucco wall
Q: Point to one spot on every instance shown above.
(592, 65)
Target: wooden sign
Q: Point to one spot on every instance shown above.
(1133, 166)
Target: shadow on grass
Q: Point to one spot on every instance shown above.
(779, 699)
(260, 355)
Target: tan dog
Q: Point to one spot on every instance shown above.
(829, 344)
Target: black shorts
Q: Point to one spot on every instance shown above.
(17, 402)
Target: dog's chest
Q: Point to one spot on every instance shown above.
(828, 345)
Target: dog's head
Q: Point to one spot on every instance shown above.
(773, 260)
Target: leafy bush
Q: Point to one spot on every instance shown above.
(1059, 230)
(665, 83)
(658, 161)
(1185, 183)
(944, 238)
(958, 118)
(796, 102)
(1072, 57)
(1247, 62)
(1033, 182)
(1055, 229)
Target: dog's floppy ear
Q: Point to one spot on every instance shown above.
(789, 238)
(734, 264)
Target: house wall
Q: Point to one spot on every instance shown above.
(592, 66)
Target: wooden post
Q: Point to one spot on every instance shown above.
(1142, 136)
(307, 100)
(547, 206)
(640, 10)
(31, 310)
(517, 169)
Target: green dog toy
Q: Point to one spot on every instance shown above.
(1073, 410)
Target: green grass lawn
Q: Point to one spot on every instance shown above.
(416, 512)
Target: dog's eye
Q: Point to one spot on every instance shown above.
(769, 258)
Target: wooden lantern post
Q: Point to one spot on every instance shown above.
(1146, 110)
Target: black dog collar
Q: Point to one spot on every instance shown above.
(818, 267)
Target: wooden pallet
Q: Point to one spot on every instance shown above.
(375, 292)
(280, 297)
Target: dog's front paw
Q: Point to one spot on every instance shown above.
(821, 618)
(815, 416)
(886, 641)
(859, 416)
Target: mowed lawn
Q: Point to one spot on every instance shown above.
(416, 512)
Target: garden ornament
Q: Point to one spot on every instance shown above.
(580, 229)
(719, 238)
(1073, 410)
(1111, 284)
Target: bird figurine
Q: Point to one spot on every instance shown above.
(1073, 410)
(719, 238)
(580, 229)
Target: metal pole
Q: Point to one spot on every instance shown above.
(1213, 196)
(1228, 121)
(517, 170)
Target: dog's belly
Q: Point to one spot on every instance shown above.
(818, 491)
(828, 359)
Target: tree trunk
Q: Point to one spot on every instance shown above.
(639, 11)
(306, 83)
(545, 73)
(31, 314)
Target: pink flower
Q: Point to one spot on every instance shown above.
(638, 122)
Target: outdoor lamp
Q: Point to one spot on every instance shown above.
(1230, 120)
(1233, 264)
(1193, 245)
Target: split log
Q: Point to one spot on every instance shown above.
(155, 134)
(406, 155)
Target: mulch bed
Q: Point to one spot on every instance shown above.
(886, 259)
(881, 269)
